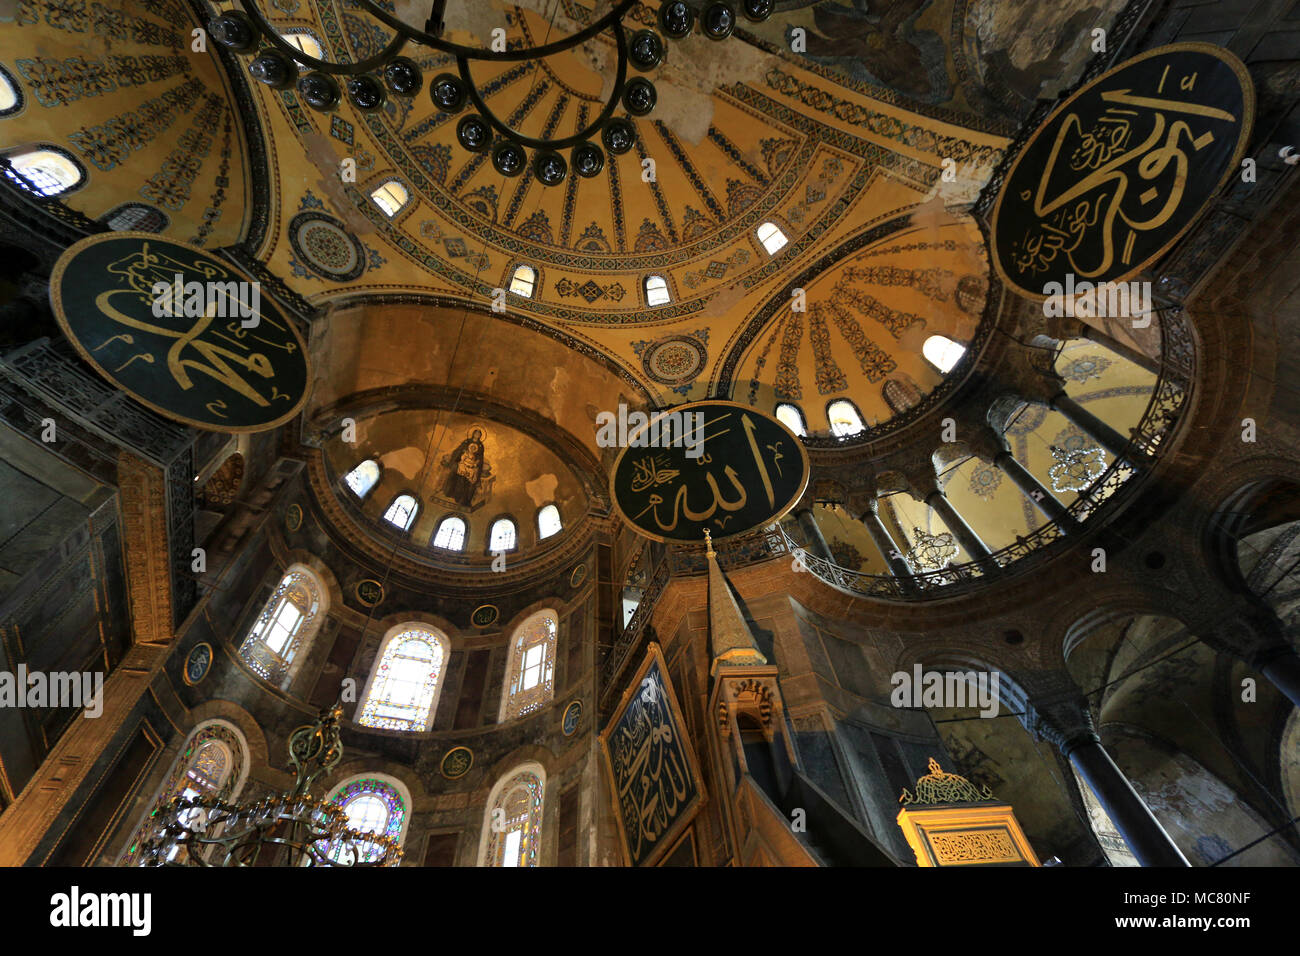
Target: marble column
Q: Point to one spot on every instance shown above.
(1100, 432)
(1033, 489)
(817, 545)
(964, 533)
(888, 549)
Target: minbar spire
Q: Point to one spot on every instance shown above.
(733, 643)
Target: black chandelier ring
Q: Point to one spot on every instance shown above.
(273, 37)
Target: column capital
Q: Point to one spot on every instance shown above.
(1056, 710)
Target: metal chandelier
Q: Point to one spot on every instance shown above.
(369, 83)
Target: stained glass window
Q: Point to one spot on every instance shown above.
(548, 521)
(502, 536)
(372, 806)
(211, 764)
(530, 678)
(513, 824)
(844, 418)
(363, 478)
(772, 238)
(401, 513)
(286, 625)
(942, 352)
(405, 681)
(790, 416)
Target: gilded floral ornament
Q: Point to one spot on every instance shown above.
(939, 787)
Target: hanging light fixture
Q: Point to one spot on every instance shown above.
(290, 829)
(931, 552)
(369, 83)
(1077, 468)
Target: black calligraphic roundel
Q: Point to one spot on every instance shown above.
(180, 331)
(1114, 177)
(712, 465)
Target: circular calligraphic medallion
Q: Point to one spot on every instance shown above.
(572, 714)
(197, 663)
(716, 465)
(456, 763)
(293, 517)
(578, 576)
(485, 615)
(370, 592)
(1113, 178)
(180, 331)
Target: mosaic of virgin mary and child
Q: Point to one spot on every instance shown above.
(468, 477)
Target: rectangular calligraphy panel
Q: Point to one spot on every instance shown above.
(654, 776)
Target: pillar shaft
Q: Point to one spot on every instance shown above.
(1136, 823)
(1103, 434)
(1033, 489)
(816, 540)
(964, 533)
(1283, 670)
(888, 549)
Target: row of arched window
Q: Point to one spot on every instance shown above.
(845, 419)
(452, 531)
(214, 763)
(402, 690)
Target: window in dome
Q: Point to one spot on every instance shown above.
(450, 534)
(404, 685)
(548, 521)
(136, 217)
(503, 536)
(45, 171)
(363, 478)
(523, 281)
(401, 513)
(942, 352)
(391, 197)
(305, 41)
(790, 416)
(11, 94)
(772, 238)
(656, 291)
(844, 418)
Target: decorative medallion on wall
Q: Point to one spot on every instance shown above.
(370, 592)
(572, 714)
(578, 576)
(485, 615)
(293, 517)
(1121, 170)
(325, 247)
(676, 360)
(197, 663)
(456, 763)
(180, 331)
(985, 480)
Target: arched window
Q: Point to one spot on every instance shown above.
(548, 521)
(530, 675)
(772, 238)
(372, 805)
(11, 94)
(391, 197)
(286, 626)
(45, 171)
(137, 217)
(523, 281)
(503, 536)
(900, 395)
(213, 763)
(844, 418)
(305, 41)
(403, 687)
(363, 478)
(450, 534)
(512, 825)
(942, 352)
(790, 416)
(656, 291)
(401, 513)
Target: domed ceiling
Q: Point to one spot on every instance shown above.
(152, 122)
(516, 476)
(740, 137)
